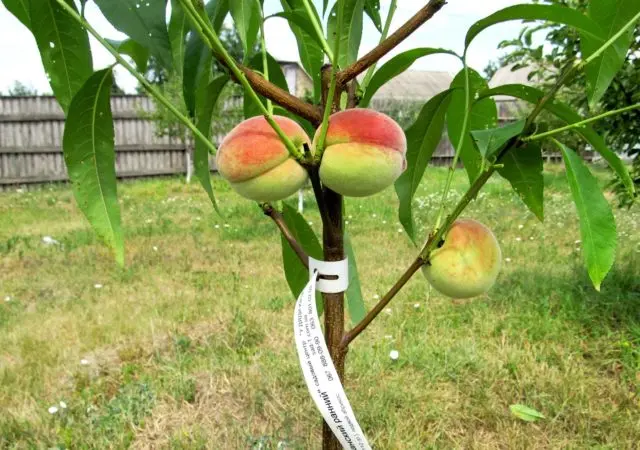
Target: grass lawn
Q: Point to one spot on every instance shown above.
(190, 346)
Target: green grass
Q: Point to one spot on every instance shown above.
(190, 346)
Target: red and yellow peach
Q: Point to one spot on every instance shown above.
(468, 262)
(256, 162)
(364, 152)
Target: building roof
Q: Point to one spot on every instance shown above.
(414, 85)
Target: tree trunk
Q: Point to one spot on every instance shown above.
(333, 242)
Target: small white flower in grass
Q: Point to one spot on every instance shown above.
(8, 298)
(217, 226)
(310, 223)
(376, 297)
(399, 230)
(388, 310)
(97, 286)
(346, 222)
(84, 362)
(507, 259)
(198, 219)
(520, 227)
(226, 225)
(48, 240)
(578, 242)
(155, 249)
(416, 305)
(375, 215)
(63, 405)
(518, 239)
(350, 217)
(148, 221)
(388, 336)
(531, 238)
(394, 355)
(53, 409)
(384, 222)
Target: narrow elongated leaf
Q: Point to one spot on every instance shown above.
(611, 16)
(483, 115)
(394, 67)
(137, 52)
(143, 21)
(564, 112)
(89, 154)
(296, 273)
(178, 28)
(302, 21)
(20, 9)
(491, 140)
(206, 102)
(64, 48)
(525, 413)
(551, 13)
(246, 17)
(197, 58)
(597, 224)
(351, 33)
(276, 76)
(523, 169)
(422, 139)
(311, 54)
(372, 8)
(325, 4)
(355, 301)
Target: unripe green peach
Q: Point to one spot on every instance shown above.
(256, 162)
(468, 262)
(364, 152)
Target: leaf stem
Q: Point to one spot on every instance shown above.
(581, 123)
(461, 142)
(318, 29)
(328, 108)
(203, 26)
(263, 45)
(612, 40)
(383, 37)
(129, 68)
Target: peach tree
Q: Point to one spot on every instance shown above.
(337, 142)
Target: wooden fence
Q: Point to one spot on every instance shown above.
(31, 130)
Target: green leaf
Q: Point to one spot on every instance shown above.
(311, 54)
(20, 9)
(564, 112)
(296, 273)
(302, 21)
(491, 140)
(523, 169)
(64, 48)
(483, 115)
(372, 8)
(525, 413)
(178, 28)
(207, 99)
(422, 139)
(355, 301)
(611, 16)
(144, 22)
(246, 17)
(275, 76)
(89, 154)
(197, 58)
(351, 33)
(137, 52)
(325, 4)
(550, 13)
(394, 67)
(597, 224)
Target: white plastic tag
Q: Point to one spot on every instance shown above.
(320, 374)
(331, 268)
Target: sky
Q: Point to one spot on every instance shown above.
(20, 60)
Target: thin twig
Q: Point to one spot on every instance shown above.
(391, 42)
(278, 219)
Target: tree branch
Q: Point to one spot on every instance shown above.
(277, 217)
(391, 42)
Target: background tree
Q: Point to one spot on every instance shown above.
(19, 89)
(546, 49)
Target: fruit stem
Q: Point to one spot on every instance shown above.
(205, 29)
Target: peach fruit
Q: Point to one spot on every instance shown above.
(364, 152)
(468, 262)
(256, 162)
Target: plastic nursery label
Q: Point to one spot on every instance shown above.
(320, 373)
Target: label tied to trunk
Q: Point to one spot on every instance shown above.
(317, 367)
